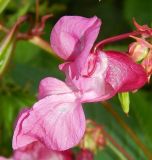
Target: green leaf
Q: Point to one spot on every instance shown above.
(21, 11)
(142, 109)
(3, 4)
(6, 49)
(124, 100)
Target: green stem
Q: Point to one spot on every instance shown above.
(116, 151)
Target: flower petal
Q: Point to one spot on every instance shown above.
(94, 87)
(37, 151)
(73, 36)
(18, 140)
(114, 72)
(123, 74)
(3, 158)
(55, 121)
(52, 86)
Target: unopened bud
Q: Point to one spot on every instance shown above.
(138, 51)
(68, 155)
(147, 64)
(93, 139)
(85, 154)
(101, 141)
(124, 100)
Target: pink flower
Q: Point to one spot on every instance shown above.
(73, 36)
(114, 72)
(57, 120)
(37, 151)
(111, 71)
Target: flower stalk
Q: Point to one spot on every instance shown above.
(101, 44)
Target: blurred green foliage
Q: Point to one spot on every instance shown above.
(3, 4)
(18, 86)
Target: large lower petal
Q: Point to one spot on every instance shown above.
(37, 151)
(3, 158)
(55, 121)
(73, 36)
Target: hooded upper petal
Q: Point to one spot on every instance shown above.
(123, 74)
(56, 121)
(73, 36)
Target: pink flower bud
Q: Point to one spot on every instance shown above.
(145, 29)
(85, 155)
(93, 139)
(138, 51)
(101, 141)
(147, 64)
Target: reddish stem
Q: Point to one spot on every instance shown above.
(101, 44)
